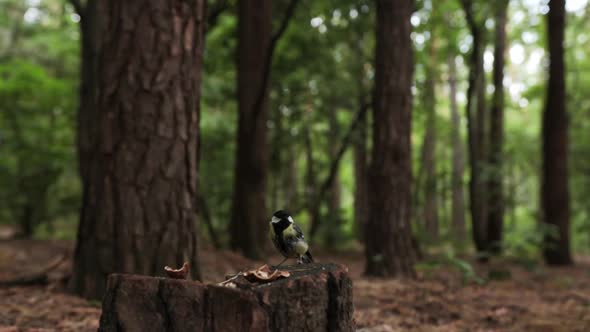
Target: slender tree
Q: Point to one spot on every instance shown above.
(256, 45)
(430, 209)
(249, 210)
(139, 198)
(458, 168)
(361, 202)
(495, 205)
(389, 250)
(334, 222)
(555, 202)
(475, 110)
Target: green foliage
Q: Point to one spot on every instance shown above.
(449, 259)
(38, 177)
(323, 64)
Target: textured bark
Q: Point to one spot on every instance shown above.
(555, 198)
(139, 199)
(458, 168)
(389, 250)
(430, 209)
(475, 111)
(316, 297)
(249, 210)
(495, 206)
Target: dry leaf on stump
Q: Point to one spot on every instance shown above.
(265, 274)
(181, 273)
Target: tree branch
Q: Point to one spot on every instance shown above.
(36, 278)
(203, 209)
(216, 10)
(289, 13)
(334, 169)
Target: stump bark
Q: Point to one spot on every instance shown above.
(315, 297)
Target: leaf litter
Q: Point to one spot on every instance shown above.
(542, 299)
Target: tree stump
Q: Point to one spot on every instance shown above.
(315, 297)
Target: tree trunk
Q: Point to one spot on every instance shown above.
(458, 201)
(361, 160)
(249, 216)
(311, 182)
(138, 211)
(361, 201)
(86, 118)
(430, 209)
(316, 297)
(495, 206)
(475, 111)
(555, 204)
(389, 250)
(333, 220)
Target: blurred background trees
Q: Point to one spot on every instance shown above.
(494, 87)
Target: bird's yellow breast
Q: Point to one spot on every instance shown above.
(290, 231)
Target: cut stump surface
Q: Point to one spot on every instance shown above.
(315, 297)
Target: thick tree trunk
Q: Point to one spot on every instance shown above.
(555, 204)
(475, 111)
(495, 206)
(249, 215)
(458, 201)
(139, 199)
(389, 250)
(316, 297)
(430, 209)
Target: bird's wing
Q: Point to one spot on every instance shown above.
(298, 231)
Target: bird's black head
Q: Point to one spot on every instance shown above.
(281, 220)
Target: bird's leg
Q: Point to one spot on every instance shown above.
(281, 263)
(300, 260)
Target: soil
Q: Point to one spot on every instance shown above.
(502, 295)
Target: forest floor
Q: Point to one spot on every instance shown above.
(508, 297)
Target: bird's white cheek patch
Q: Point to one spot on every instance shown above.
(275, 220)
(290, 219)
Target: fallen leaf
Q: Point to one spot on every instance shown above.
(265, 274)
(181, 273)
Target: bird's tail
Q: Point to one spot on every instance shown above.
(307, 258)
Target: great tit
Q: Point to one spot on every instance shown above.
(288, 238)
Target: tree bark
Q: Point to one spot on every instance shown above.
(430, 209)
(555, 202)
(475, 110)
(138, 211)
(249, 210)
(389, 250)
(495, 206)
(458, 168)
(316, 297)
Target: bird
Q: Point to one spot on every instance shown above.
(288, 238)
